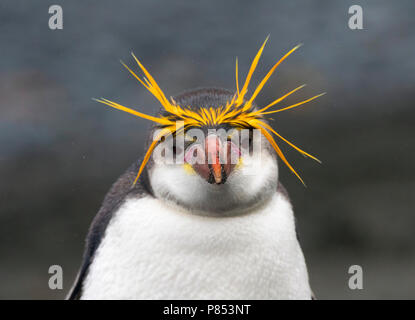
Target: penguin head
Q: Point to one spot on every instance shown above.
(215, 174)
(214, 168)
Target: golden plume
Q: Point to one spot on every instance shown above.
(237, 112)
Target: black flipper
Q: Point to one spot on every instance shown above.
(112, 201)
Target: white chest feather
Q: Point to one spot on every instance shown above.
(153, 250)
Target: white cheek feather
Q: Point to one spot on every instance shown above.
(154, 249)
(249, 184)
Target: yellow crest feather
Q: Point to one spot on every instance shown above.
(237, 112)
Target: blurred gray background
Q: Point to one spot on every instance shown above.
(60, 151)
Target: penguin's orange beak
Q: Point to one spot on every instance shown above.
(213, 151)
(215, 161)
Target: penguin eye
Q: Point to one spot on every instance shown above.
(188, 138)
(247, 142)
(234, 133)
